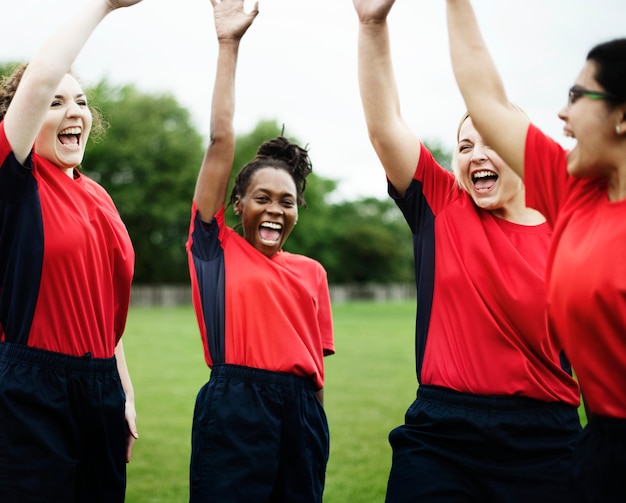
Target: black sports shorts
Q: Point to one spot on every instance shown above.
(459, 447)
(62, 428)
(258, 436)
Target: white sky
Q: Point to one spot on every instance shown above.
(297, 64)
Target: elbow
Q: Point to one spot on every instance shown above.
(222, 136)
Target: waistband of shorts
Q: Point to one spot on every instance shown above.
(51, 359)
(504, 403)
(271, 377)
(615, 425)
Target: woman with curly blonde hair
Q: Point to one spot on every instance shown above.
(66, 265)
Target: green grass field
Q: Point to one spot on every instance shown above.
(370, 382)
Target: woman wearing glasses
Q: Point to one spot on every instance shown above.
(495, 418)
(583, 194)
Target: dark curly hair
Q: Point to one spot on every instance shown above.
(8, 87)
(279, 153)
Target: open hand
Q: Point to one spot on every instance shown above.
(231, 20)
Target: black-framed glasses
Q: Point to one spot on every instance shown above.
(576, 92)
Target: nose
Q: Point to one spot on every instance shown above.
(479, 154)
(74, 109)
(275, 209)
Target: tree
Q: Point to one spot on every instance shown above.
(148, 162)
(149, 159)
(7, 68)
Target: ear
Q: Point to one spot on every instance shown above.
(620, 124)
(237, 206)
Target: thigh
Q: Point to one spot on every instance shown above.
(235, 442)
(101, 476)
(433, 456)
(425, 471)
(534, 453)
(600, 463)
(304, 452)
(38, 439)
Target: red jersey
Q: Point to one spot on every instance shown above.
(264, 312)
(481, 320)
(586, 272)
(66, 260)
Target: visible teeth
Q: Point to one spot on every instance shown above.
(483, 174)
(70, 130)
(272, 225)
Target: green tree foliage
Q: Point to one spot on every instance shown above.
(7, 68)
(365, 240)
(148, 161)
(443, 155)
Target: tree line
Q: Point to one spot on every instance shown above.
(149, 162)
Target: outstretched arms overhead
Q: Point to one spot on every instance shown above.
(231, 22)
(502, 125)
(397, 147)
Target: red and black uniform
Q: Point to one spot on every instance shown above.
(586, 278)
(496, 402)
(66, 266)
(265, 323)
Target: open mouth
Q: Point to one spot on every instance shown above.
(70, 137)
(484, 180)
(270, 232)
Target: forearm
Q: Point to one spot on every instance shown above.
(58, 53)
(212, 184)
(482, 88)
(46, 69)
(474, 70)
(122, 369)
(395, 144)
(379, 94)
(320, 395)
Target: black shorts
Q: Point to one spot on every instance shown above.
(62, 428)
(258, 436)
(459, 447)
(599, 469)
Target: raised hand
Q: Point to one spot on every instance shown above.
(372, 10)
(231, 20)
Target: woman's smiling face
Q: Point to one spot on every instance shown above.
(268, 209)
(482, 173)
(64, 133)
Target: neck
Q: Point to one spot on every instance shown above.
(520, 215)
(617, 185)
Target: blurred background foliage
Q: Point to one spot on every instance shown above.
(148, 161)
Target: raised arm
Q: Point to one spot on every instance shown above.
(397, 147)
(502, 125)
(35, 92)
(231, 22)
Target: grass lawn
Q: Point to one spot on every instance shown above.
(370, 382)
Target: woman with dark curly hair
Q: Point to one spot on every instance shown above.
(260, 431)
(67, 410)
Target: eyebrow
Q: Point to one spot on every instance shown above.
(61, 96)
(270, 192)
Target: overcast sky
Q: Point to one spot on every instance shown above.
(297, 64)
